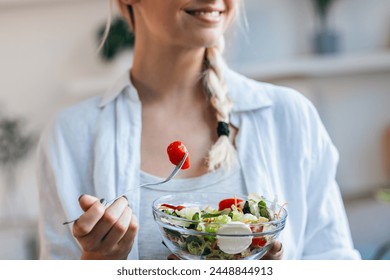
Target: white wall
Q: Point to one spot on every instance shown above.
(281, 29)
(42, 47)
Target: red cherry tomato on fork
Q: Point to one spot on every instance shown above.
(176, 151)
(228, 202)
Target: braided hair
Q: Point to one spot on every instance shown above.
(222, 153)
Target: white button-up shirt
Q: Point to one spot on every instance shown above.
(282, 145)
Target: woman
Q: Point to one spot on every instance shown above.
(270, 141)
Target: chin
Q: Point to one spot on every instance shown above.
(211, 40)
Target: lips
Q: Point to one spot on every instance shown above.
(211, 15)
(204, 13)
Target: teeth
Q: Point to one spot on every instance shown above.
(207, 14)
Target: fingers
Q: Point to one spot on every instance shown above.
(86, 201)
(106, 233)
(126, 243)
(275, 252)
(277, 247)
(110, 218)
(172, 257)
(118, 230)
(87, 221)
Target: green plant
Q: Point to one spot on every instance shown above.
(326, 39)
(14, 144)
(119, 38)
(322, 8)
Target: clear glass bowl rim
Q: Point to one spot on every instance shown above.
(278, 223)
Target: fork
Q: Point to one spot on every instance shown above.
(173, 174)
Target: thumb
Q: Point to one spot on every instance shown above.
(86, 201)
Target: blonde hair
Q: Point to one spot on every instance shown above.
(223, 153)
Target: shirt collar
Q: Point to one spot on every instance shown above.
(117, 88)
(246, 94)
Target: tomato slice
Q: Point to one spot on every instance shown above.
(258, 241)
(176, 151)
(228, 202)
(179, 207)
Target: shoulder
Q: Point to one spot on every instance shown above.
(249, 95)
(295, 115)
(73, 124)
(290, 103)
(288, 112)
(298, 121)
(80, 114)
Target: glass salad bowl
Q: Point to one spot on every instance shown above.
(212, 226)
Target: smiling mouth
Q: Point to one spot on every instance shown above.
(205, 13)
(212, 16)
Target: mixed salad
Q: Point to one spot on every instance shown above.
(231, 231)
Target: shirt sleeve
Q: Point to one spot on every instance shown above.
(327, 233)
(55, 239)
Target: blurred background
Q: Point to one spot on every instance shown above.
(338, 55)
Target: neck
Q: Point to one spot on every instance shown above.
(163, 72)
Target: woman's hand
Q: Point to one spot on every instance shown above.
(275, 253)
(105, 233)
